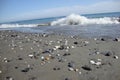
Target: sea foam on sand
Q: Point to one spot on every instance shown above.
(75, 19)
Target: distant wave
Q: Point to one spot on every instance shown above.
(17, 25)
(75, 19)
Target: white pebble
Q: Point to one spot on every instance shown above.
(42, 57)
(70, 69)
(72, 46)
(86, 42)
(30, 55)
(98, 63)
(92, 62)
(57, 47)
(58, 54)
(80, 72)
(31, 48)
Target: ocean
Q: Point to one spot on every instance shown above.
(87, 25)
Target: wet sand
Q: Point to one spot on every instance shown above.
(33, 56)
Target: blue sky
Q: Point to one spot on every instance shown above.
(14, 10)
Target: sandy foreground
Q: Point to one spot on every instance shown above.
(28, 56)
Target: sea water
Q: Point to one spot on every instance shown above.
(88, 25)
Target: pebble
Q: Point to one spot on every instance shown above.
(76, 70)
(31, 55)
(87, 68)
(9, 78)
(67, 79)
(86, 42)
(57, 47)
(25, 70)
(5, 60)
(102, 39)
(116, 57)
(56, 68)
(95, 63)
(98, 63)
(70, 69)
(117, 39)
(80, 73)
(61, 47)
(92, 62)
(71, 64)
(20, 58)
(72, 46)
(42, 58)
(66, 54)
(75, 42)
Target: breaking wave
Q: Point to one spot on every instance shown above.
(75, 19)
(17, 25)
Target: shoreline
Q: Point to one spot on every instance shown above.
(34, 56)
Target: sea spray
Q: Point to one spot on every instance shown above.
(75, 19)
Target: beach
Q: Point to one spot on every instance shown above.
(41, 56)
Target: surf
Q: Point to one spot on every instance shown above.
(75, 19)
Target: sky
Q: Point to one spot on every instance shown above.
(15, 10)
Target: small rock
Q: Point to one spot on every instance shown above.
(80, 73)
(9, 78)
(61, 47)
(117, 39)
(76, 70)
(98, 63)
(92, 62)
(67, 79)
(75, 42)
(72, 46)
(87, 68)
(107, 53)
(66, 54)
(20, 58)
(31, 55)
(25, 70)
(116, 57)
(70, 69)
(71, 64)
(102, 39)
(42, 58)
(16, 67)
(56, 68)
(48, 51)
(86, 42)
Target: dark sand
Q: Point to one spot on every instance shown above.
(25, 56)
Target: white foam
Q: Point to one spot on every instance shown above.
(17, 25)
(75, 19)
